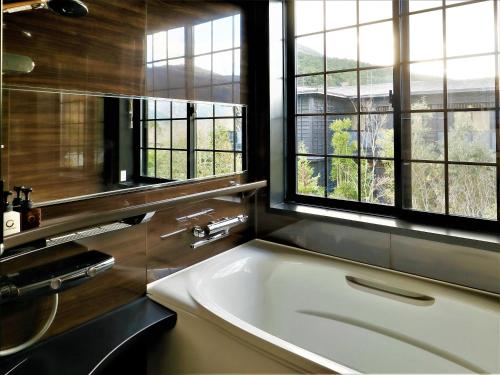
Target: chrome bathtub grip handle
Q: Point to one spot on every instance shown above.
(54, 277)
(389, 291)
(216, 230)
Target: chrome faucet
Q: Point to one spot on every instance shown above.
(216, 230)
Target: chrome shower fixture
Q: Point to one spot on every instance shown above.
(68, 8)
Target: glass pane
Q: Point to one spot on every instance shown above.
(239, 162)
(224, 134)
(224, 162)
(204, 110)
(470, 29)
(308, 16)
(310, 135)
(341, 49)
(427, 187)
(179, 134)
(163, 134)
(311, 175)
(426, 35)
(179, 165)
(426, 85)
(340, 13)
(471, 136)
(237, 30)
(342, 135)
(343, 178)
(148, 163)
(176, 42)
(375, 85)
(377, 135)
(162, 109)
(151, 110)
(202, 70)
(310, 94)
(203, 38)
(309, 50)
(204, 164)
(160, 46)
(237, 64)
(224, 111)
(222, 67)
(204, 134)
(149, 48)
(163, 164)
(176, 74)
(179, 110)
(374, 10)
(151, 133)
(377, 181)
(238, 129)
(472, 191)
(424, 4)
(426, 140)
(376, 46)
(160, 75)
(223, 33)
(471, 82)
(342, 91)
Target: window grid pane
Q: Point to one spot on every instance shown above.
(450, 115)
(218, 138)
(339, 86)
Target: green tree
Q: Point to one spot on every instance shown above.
(343, 171)
(307, 182)
(224, 161)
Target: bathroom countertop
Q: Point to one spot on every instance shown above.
(95, 347)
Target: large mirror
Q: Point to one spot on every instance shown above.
(66, 146)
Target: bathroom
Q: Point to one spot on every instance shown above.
(250, 186)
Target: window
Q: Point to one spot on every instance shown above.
(217, 56)
(201, 61)
(395, 106)
(176, 145)
(165, 61)
(164, 145)
(218, 140)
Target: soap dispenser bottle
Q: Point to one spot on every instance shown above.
(16, 202)
(11, 218)
(30, 217)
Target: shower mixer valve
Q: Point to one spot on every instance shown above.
(216, 230)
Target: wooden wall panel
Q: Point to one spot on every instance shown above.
(101, 52)
(174, 253)
(54, 135)
(106, 51)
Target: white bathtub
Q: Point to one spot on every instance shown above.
(263, 307)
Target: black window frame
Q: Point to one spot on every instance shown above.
(140, 108)
(400, 7)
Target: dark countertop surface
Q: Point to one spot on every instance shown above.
(92, 347)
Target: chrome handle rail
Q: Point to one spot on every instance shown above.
(53, 277)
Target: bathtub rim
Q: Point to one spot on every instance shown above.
(300, 250)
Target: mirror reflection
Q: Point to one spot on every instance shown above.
(70, 145)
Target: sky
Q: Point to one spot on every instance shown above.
(469, 28)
